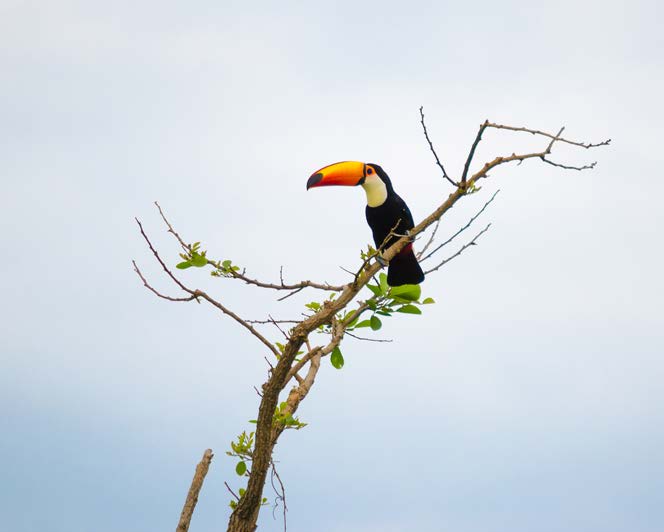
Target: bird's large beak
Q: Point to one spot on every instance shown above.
(347, 173)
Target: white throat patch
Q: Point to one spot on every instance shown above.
(375, 189)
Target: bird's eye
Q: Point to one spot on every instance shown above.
(369, 170)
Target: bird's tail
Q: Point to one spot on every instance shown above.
(404, 268)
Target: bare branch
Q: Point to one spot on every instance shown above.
(271, 322)
(200, 294)
(232, 492)
(566, 167)
(163, 264)
(430, 241)
(294, 286)
(484, 171)
(194, 490)
(471, 154)
(426, 135)
(237, 275)
(291, 294)
(154, 291)
(586, 145)
(276, 324)
(281, 494)
(303, 361)
(463, 228)
(461, 249)
(184, 245)
(367, 339)
(228, 312)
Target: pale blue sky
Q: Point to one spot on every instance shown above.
(529, 398)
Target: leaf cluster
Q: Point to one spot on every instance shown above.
(194, 257)
(243, 448)
(384, 302)
(283, 418)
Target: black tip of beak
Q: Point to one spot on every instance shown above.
(314, 180)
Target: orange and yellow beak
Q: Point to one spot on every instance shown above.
(347, 173)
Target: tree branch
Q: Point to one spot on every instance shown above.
(461, 250)
(462, 229)
(194, 490)
(241, 276)
(269, 427)
(367, 339)
(586, 145)
(154, 291)
(566, 167)
(426, 135)
(200, 294)
(471, 154)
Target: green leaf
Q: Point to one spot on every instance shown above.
(337, 358)
(428, 301)
(383, 312)
(241, 468)
(184, 265)
(314, 305)
(375, 289)
(384, 287)
(409, 292)
(348, 318)
(409, 309)
(226, 264)
(375, 323)
(198, 260)
(363, 323)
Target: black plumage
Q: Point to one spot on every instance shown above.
(393, 215)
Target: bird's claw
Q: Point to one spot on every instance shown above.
(380, 260)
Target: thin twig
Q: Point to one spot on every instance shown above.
(184, 245)
(367, 339)
(271, 322)
(232, 492)
(566, 167)
(194, 490)
(200, 294)
(163, 264)
(461, 250)
(154, 291)
(426, 135)
(291, 294)
(281, 496)
(241, 275)
(276, 324)
(462, 229)
(471, 154)
(586, 145)
(430, 241)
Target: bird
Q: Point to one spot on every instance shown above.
(387, 214)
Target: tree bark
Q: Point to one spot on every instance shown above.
(194, 490)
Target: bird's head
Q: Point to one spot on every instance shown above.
(372, 177)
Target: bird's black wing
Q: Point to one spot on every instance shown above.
(392, 216)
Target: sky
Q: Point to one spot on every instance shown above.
(529, 397)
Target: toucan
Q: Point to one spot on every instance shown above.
(387, 214)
